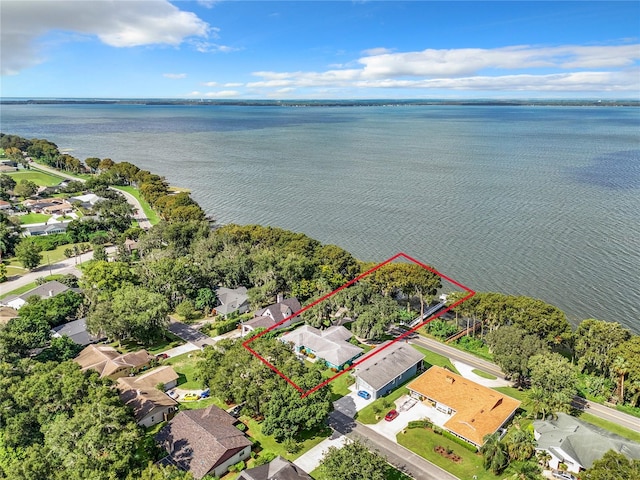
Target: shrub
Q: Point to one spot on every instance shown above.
(241, 426)
(420, 424)
(225, 326)
(51, 242)
(459, 441)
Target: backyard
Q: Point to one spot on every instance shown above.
(40, 178)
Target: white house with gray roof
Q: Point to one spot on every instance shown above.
(385, 368)
(331, 345)
(232, 300)
(578, 444)
(46, 290)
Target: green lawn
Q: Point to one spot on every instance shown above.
(146, 208)
(339, 386)
(40, 178)
(33, 218)
(50, 256)
(309, 440)
(434, 359)
(368, 415)
(185, 366)
(423, 441)
(482, 374)
(169, 341)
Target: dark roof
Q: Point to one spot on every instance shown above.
(76, 331)
(280, 311)
(48, 289)
(278, 469)
(199, 440)
(380, 367)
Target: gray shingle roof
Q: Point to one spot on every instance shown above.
(581, 441)
(378, 369)
(46, 290)
(76, 331)
(330, 344)
(278, 469)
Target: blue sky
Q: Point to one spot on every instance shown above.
(319, 49)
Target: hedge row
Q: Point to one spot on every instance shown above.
(225, 326)
(459, 441)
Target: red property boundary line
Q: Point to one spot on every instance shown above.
(305, 393)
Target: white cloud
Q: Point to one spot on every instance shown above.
(210, 84)
(233, 84)
(118, 23)
(518, 68)
(174, 76)
(377, 51)
(209, 47)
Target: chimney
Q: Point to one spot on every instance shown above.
(279, 298)
(51, 293)
(450, 379)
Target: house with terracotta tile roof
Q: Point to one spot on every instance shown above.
(272, 315)
(204, 442)
(110, 363)
(473, 409)
(330, 345)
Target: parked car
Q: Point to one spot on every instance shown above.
(391, 415)
(563, 475)
(364, 394)
(205, 393)
(173, 394)
(235, 411)
(162, 356)
(190, 397)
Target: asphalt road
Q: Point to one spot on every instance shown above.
(601, 411)
(398, 456)
(190, 334)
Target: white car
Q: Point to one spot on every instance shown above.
(563, 476)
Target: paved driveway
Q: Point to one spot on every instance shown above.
(395, 426)
(310, 460)
(352, 403)
(190, 334)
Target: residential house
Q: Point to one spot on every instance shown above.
(473, 409)
(204, 442)
(277, 469)
(578, 444)
(5, 206)
(232, 300)
(58, 209)
(46, 290)
(386, 367)
(110, 363)
(35, 229)
(150, 404)
(278, 313)
(38, 205)
(330, 345)
(87, 201)
(76, 331)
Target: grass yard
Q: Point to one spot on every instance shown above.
(368, 414)
(309, 440)
(434, 359)
(40, 178)
(483, 374)
(204, 403)
(33, 218)
(146, 208)
(339, 386)
(185, 366)
(422, 442)
(13, 270)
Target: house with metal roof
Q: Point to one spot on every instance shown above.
(578, 444)
(386, 367)
(204, 442)
(330, 345)
(473, 409)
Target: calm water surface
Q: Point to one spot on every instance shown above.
(539, 201)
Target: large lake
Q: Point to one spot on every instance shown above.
(539, 201)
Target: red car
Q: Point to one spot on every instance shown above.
(391, 415)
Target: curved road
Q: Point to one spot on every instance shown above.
(601, 411)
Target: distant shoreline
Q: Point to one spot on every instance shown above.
(327, 103)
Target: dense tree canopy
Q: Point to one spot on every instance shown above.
(353, 461)
(612, 466)
(512, 347)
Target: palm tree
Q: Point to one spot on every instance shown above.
(526, 471)
(543, 457)
(620, 368)
(494, 454)
(538, 402)
(521, 445)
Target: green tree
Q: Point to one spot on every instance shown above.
(205, 300)
(144, 313)
(22, 334)
(494, 453)
(59, 350)
(593, 342)
(3, 272)
(520, 444)
(512, 347)
(28, 253)
(159, 472)
(629, 351)
(612, 466)
(25, 188)
(187, 310)
(101, 278)
(353, 461)
(556, 377)
(93, 163)
(7, 183)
